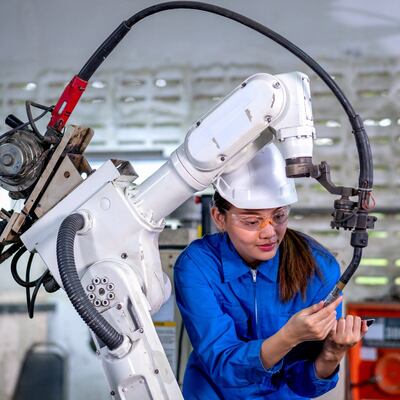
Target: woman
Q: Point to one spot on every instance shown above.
(252, 293)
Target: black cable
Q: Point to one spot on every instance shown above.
(355, 261)
(28, 105)
(365, 177)
(112, 41)
(363, 147)
(14, 271)
(27, 287)
(31, 305)
(19, 127)
(30, 301)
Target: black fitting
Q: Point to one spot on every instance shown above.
(12, 121)
(359, 239)
(344, 204)
(50, 284)
(299, 167)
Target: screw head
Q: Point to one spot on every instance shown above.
(7, 159)
(276, 85)
(124, 256)
(156, 371)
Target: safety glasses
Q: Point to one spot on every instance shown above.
(253, 222)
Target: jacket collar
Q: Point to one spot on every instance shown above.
(233, 266)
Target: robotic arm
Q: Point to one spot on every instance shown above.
(100, 242)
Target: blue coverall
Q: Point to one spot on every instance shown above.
(229, 309)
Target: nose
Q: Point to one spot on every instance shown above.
(267, 230)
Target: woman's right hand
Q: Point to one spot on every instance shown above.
(311, 323)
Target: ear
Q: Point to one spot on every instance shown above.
(218, 218)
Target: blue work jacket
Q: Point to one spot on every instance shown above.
(229, 310)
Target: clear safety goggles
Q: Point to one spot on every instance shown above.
(253, 222)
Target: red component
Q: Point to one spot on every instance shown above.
(374, 369)
(66, 103)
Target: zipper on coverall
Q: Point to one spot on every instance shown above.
(254, 274)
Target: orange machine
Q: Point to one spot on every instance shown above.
(374, 363)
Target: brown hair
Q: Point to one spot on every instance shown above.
(296, 263)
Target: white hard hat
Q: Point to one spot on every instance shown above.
(261, 183)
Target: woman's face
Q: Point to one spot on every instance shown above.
(253, 245)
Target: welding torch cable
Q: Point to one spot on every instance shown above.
(345, 277)
(363, 147)
(361, 138)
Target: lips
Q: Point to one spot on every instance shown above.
(267, 246)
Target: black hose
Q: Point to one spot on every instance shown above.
(355, 261)
(365, 178)
(72, 284)
(363, 148)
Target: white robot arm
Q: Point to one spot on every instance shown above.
(118, 281)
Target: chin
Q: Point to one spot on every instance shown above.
(266, 255)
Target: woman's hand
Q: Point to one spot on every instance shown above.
(345, 334)
(311, 323)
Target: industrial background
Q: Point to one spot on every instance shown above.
(168, 71)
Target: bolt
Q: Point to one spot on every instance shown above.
(156, 371)
(244, 84)
(222, 158)
(268, 118)
(111, 296)
(112, 393)
(119, 306)
(7, 159)
(141, 330)
(198, 123)
(67, 174)
(276, 85)
(102, 291)
(124, 256)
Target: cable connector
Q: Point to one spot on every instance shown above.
(87, 221)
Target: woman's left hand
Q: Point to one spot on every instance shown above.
(345, 334)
